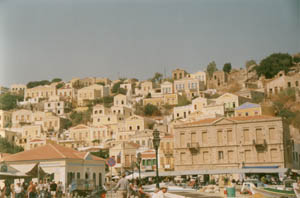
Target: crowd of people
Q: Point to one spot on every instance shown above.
(43, 189)
(133, 189)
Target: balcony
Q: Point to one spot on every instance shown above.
(193, 147)
(168, 152)
(260, 145)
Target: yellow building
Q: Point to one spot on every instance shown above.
(189, 86)
(179, 74)
(18, 88)
(21, 116)
(167, 87)
(230, 102)
(137, 123)
(124, 154)
(91, 93)
(67, 92)
(39, 92)
(236, 142)
(121, 100)
(248, 109)
(157, 101)
(5, 119)
(166, 153)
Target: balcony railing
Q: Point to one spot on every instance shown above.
(194, 147)
(260, 145)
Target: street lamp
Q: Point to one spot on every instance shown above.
(132, 167)
(156, 142)
(138, 163)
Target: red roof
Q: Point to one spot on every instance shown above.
(49, 152)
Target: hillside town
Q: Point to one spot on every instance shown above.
(219, 124)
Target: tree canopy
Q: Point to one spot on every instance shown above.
(273, 64)
(9, 101)
(211, 68)
(151, 110)
(8, 147)
(227, 67)
(37, 83)
(157, 77)
(249, 63)
(56, 80)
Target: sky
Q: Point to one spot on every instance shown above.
(42, 39)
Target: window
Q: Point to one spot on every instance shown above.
(259, 136)
(246, 136)
(182, 158)
(231, 157)
(138, 127)
(272, 135)
(220, 155)
(204, 137)
(182, 140)
(248, 157)
(297, 83)
(261, 156)
(206, 157)
(289, 84)
(274, 155)
(229, 136)
(220, 138)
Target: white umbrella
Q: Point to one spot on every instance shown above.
(135, 175)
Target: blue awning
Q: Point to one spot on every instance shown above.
(261, 167)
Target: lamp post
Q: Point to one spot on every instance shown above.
(156, 142)
(138, 163)
(132, 167)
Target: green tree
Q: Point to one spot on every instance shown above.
(227, 67)
(151, 110)
(296, 58)
(157, 77)
(273, 64)
(78, 85)
(182, 100)
(8, 147)
(56, 80)
(101, 83)
(9, 101)
(211, 68)
(250, 63)
(59, 85)
(116, 87)
(37, 83)
(65, 123)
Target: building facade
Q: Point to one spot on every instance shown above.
(220, 143)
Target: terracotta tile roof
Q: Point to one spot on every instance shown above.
(204, 121)
(211, 120)
(260, 117)
(48, 152)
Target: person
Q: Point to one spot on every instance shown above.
(122, 187)
(132, 190)
(6, 191)
(12, 191)
(141, 192)
(19, 190)
(162, 192)
(31, 190)
(53, 187)
(59, 189)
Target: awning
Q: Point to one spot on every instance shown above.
(36, 171)
(217, 171)
(7, 175)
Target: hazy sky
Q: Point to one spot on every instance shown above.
(43, 39)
